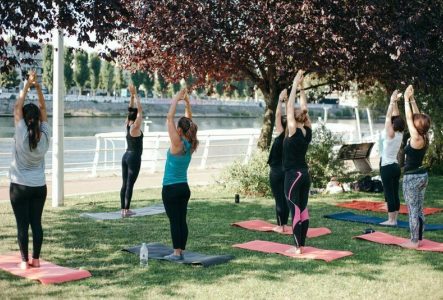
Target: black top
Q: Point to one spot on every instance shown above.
(135, 144)
(295, 148)
(414, 159)
(276, 153)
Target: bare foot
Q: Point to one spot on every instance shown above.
(35, 263)
(410, 245)
(299, 250)
(129, 213)
(278, 229)
(24, 265)
(389, 223)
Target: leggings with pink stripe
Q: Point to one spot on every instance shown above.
(297, 183)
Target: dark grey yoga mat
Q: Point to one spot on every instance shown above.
(139, 212)
(159, 251)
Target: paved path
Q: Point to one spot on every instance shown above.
(80, 185)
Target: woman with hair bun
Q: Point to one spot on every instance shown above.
(415, 178)
(28, 190)
(175, 192)
(132, 159)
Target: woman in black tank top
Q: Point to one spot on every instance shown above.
(276, 174)
(131, 160)
(415, 178)
(297, 178)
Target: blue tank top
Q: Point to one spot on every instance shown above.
(176, 167)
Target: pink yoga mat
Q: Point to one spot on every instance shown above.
(47, 273)
(259, 225)
(387, 239)
(287, 250)
(381, 207)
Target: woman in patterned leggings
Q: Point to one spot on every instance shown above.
(415, 177)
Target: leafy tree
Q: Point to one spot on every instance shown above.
(148, 83)
(94, 64)
(137, 79)
(48, 70)
(68, 71)
(107, 77)
(161, 86)
(9, 79)
(81, 70)
(220, 88)
(35, 20)
(119, 80)
(267, 41)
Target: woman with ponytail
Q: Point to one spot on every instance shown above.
(415, 178)
(27, 190)
(175, 192)
(132, 158)
(297, 177)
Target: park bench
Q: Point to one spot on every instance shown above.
(359, 154)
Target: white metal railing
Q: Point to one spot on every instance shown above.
(104, 151)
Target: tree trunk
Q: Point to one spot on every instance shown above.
(271, 100)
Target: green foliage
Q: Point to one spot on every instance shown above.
(119, 80)
(48, 62)
(9, 79)
(107, 76)
(148, 83)
(322, 161)
(81, 70)
(67, 66)
(94, 64)
(251, 178)
(161, 86)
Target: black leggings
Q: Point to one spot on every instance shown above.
(390, 176)
(277, 180)
(131, 162)
(175, 199)
(297, 183)
(27, 203)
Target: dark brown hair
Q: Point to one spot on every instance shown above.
(132, 113)
(301, 118)
(189, 129)
(398, 123)
(422, 122)
(31, 116)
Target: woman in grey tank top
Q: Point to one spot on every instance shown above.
(389, 167)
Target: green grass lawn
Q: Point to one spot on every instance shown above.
(374, 271)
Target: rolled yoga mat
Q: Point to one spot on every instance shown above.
(260, 225)
(288, 250)
(351, 217)
(381, 207)
(139, 212)
(388, 239)
(47, 273)
(159, 251)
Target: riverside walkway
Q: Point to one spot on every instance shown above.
(76, 184)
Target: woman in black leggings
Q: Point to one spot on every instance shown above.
(131, 160)
(27, 191)
(297, 178)
(276, 174)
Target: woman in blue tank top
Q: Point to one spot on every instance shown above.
(175, 192)
(132, 159)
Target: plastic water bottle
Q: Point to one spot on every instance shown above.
(144, 255)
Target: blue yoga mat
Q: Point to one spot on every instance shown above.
(351, 217)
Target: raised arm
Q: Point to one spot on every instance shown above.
(392, 108)
(18, 107)
(176, 142)
(414, 106)
(188, 110)
(409, 96)
(41, 101)
(133, 92)
(304, 102)
(136, 126)
(292, 125)
(281, 100)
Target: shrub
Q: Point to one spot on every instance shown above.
(322, 161)
(251, 178)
